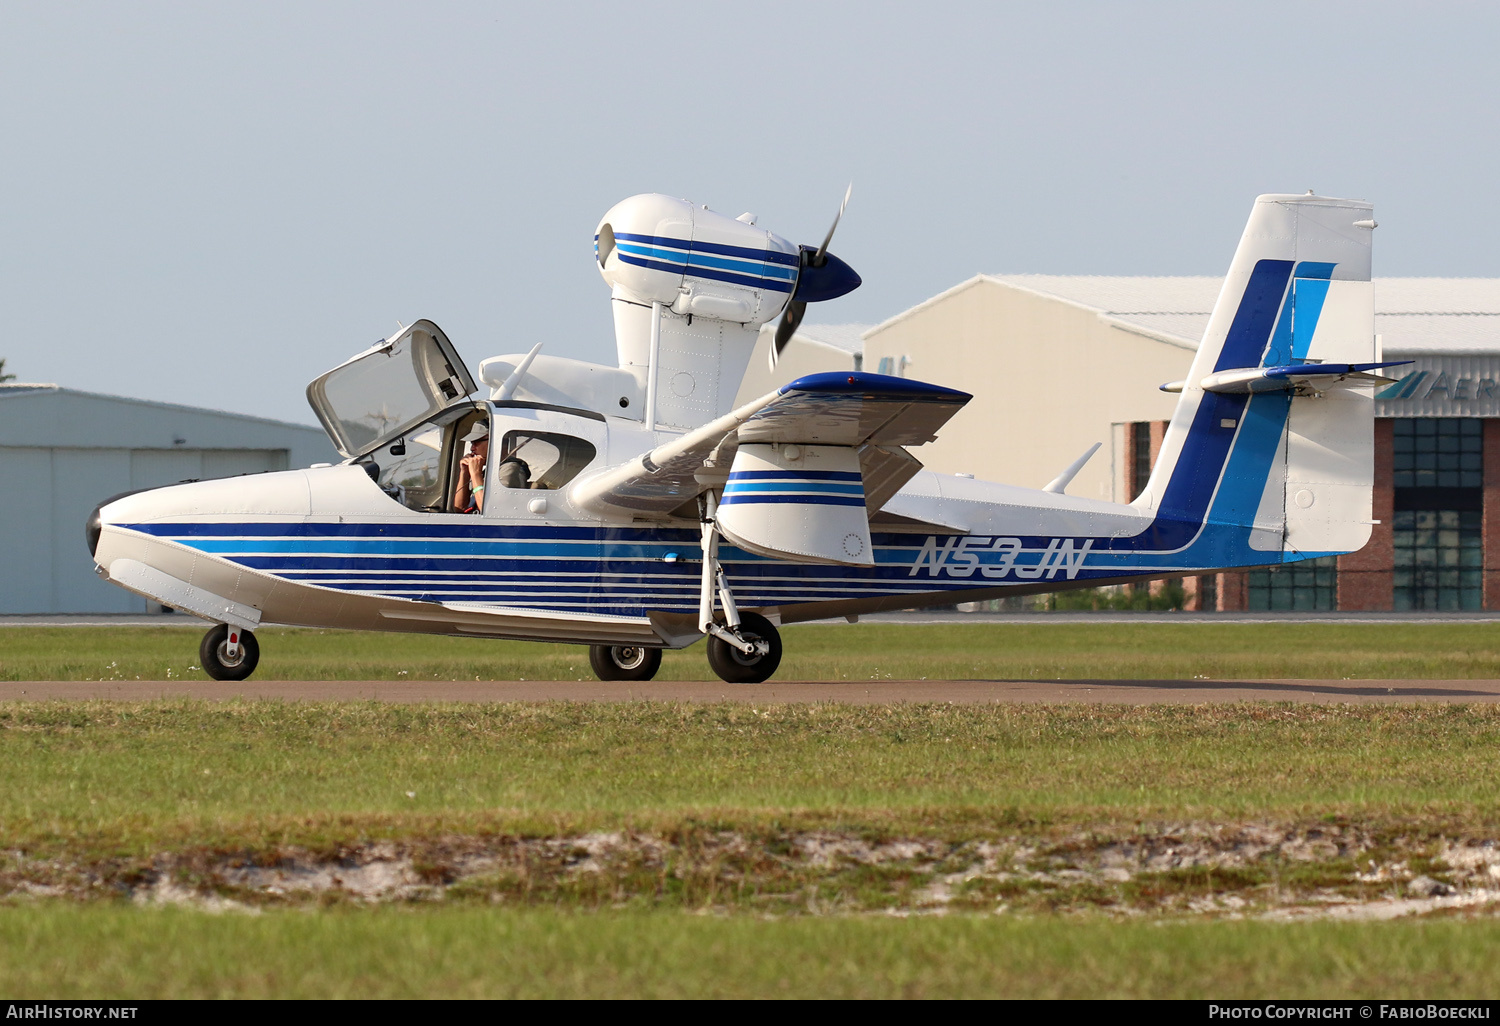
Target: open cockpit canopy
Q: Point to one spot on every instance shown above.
(389, 388)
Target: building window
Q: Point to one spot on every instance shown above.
(1439, 559)
(1438, 465)
(1308, 586)
(1438, 452)
(1140, 457)
(1208, 593)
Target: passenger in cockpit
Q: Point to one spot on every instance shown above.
(513, 473)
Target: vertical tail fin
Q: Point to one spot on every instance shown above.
(1262, 476)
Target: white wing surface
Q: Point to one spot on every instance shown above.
(873, 414)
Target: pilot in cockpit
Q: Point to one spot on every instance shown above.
(468, 494)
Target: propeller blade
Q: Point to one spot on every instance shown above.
(787, 328)
(817, 260)
(796, 308)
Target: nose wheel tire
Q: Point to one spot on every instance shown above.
(734, 666)
(624, 662)
(213, 652)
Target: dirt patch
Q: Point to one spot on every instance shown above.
(1236, 871)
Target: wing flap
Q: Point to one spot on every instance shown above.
(885, 470)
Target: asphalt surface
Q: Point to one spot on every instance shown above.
(886, 692)
(911, 617)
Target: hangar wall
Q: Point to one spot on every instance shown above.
(812, 350)
(1049, 377)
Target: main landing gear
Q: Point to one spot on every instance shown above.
(228, 653)
(746, 647)
(624, 662)
(736, 666)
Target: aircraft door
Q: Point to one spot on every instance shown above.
(534, 454)
(382, 393)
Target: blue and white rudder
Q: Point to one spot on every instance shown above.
(1282, 474)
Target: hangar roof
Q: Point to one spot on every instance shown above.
(848, 338)
(1416, 316)
(48, 415)
(1449, 316)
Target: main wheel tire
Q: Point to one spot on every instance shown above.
(734, 666)
(624, 662)
(213, 653)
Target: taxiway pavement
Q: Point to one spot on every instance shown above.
(883, 692)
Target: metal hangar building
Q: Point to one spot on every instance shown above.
(64, 451)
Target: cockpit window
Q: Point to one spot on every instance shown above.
(417, 469)
(411, 468)
(530, 459)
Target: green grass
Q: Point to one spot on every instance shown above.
(865, 651)
(58, 951)
(136, 775)
(103, 800)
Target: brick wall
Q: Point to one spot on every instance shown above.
(1234, 591)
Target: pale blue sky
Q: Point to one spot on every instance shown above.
(213, 203)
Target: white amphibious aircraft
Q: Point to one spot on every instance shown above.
(634, 509)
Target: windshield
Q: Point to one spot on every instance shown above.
(411, 470)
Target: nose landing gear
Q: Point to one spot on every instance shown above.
(229, 653)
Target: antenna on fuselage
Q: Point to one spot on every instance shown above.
(1059, 483)
(509, 388)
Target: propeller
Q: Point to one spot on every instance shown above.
(821, 276)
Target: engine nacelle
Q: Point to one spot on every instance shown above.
(695, 262)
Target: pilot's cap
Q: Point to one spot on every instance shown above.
(478, 432)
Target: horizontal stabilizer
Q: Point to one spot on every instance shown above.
(1294, 377)
(842, 409)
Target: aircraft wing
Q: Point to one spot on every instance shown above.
(871, 414)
